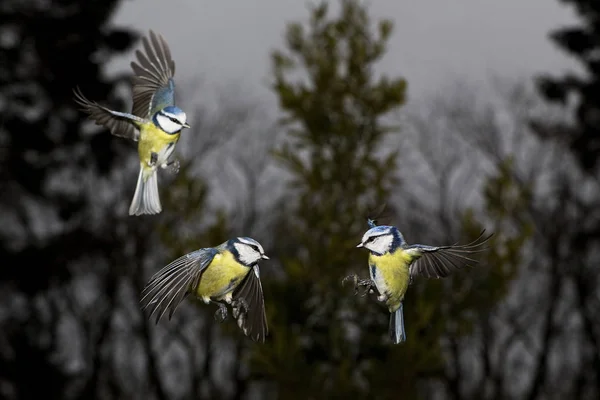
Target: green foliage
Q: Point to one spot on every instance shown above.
(323, 339)
(473, 296)
(452, 308)
(333, 105)
(506, 197)
(507, 202)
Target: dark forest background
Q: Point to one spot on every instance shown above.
(520, 159)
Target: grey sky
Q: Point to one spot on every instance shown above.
(433, 41)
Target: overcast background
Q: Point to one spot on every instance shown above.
(524, 324)
(433, 40)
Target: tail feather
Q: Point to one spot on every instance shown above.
(146, 199)
(397, 332)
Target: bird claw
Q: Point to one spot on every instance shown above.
(239, 306)
(221, 313)
(173, 166)
(367, 283)
(369, 286)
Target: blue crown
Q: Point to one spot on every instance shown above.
(380, 230)
(173, 110)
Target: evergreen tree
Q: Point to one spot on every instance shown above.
(46, 154)
(578, 187)
(48, 166)
(582, 43)
(334, 111)
(324, 341)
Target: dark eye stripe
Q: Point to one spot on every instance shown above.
(371, 238)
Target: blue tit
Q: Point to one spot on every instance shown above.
(226, 274)
(393, 264)
(155, 122)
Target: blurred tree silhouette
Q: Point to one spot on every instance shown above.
(325, 342)
(75, 262)
(46, 156)
(334, 111)
(581, 42)
(579, 187)
(51, 178)
(448, 195)
(540, 341)
(211, 357)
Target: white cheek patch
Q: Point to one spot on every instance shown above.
(247, 254)
(251, 242)
(167, 125)
(381, 244)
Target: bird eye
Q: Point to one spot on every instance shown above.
(175, 121)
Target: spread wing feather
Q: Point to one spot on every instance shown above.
(153, 85)
(439, 262)
(119, 124)
(168, 287)
(254, 321)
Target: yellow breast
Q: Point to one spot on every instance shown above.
(391, 275)
(153, 140)
(221, 276)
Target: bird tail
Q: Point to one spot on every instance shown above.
(146, 199)
(397, 332)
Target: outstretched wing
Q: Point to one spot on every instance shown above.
(119, 124)
(153, 85)
(439, 262)
(254, 322)
(169, 286)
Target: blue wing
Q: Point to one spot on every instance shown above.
(169, 286)
(439, 262)
(153, 85)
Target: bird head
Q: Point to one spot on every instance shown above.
(171, 119)
(381, 239)
(248, 251)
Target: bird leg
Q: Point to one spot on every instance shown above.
(239, 306)
(173, 166)
(153, 159)
(367, 283)
(221, 313)
(369, 286)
